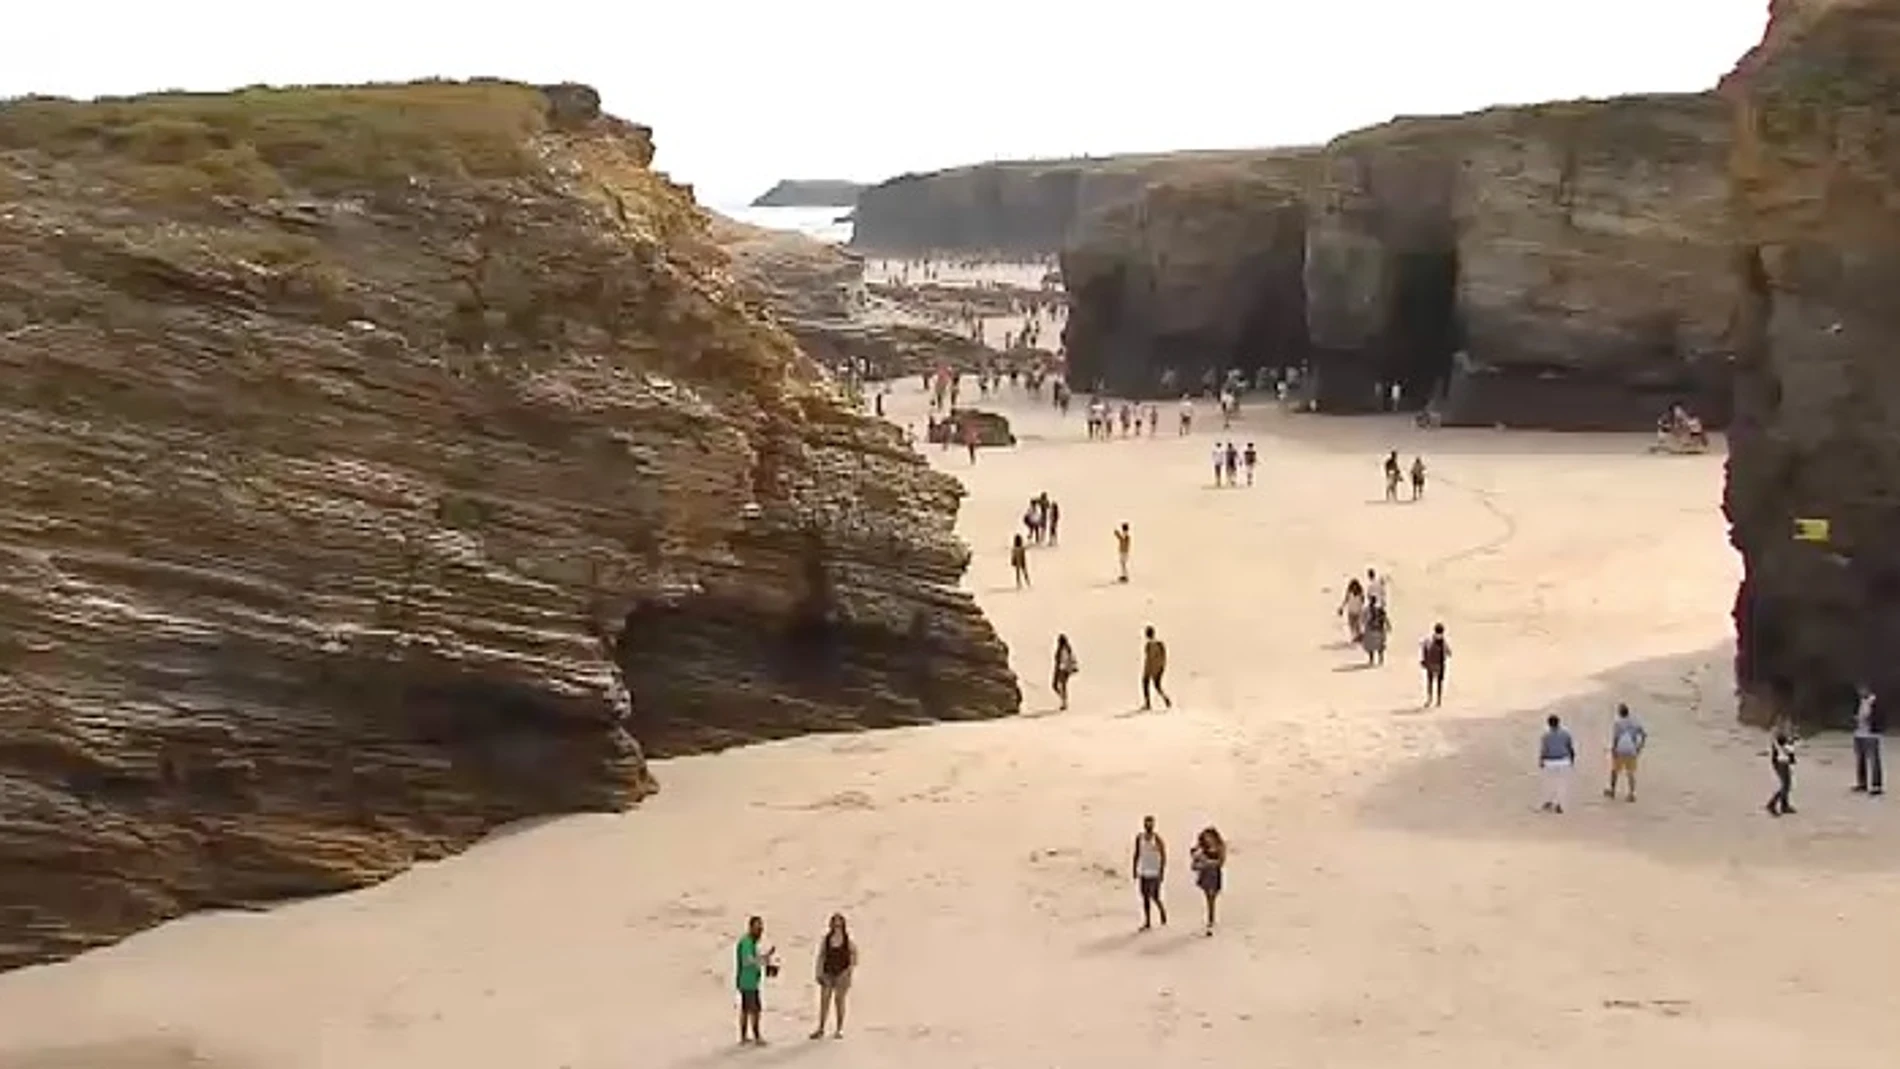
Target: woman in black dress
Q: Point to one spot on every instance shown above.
(1208, 858)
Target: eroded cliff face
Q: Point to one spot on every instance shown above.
(1816, 433)
(817, 292)
(1195, 274)
(1027, 208)
(364, 447)
(1577, 254)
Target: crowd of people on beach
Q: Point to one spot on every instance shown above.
(1366, 609)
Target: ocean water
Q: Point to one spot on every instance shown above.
(821, 223)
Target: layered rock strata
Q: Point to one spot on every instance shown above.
(1563, 265)
(1816, 433)
(817, 292)
(364, 448)
(1195, 274)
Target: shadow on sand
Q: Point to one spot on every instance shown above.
(1703, 780)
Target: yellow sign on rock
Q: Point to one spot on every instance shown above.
(1810, 530)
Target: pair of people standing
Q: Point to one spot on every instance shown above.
(837, 961)
(1150, 865)
(1869, 776)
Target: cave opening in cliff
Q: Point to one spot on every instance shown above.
(1425, 329)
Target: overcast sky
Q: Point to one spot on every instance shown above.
(741, 92)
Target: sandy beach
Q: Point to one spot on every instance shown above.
(1394, 896)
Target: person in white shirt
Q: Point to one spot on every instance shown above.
(1867, 773)
(1150, 866)
(1376, 589)
(1187, 414)
(1220, 459)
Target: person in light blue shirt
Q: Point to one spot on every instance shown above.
(1556, 756)
(1627, 739)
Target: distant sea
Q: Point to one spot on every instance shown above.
(818, 222)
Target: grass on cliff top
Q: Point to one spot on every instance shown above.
(262, 141)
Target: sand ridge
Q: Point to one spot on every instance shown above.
(1393, 896)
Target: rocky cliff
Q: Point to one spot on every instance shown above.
(809, 193)
(817, 292)
(364, 448)
(1575, 253)
(1024, 208)
(1198, 272)
(1816, 433)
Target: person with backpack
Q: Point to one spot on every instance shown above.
(1433, 653)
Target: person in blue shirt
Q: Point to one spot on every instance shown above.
(1556, 756)
(1627, 739)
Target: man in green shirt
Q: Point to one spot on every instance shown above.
(752, 966)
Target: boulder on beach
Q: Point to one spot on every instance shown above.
(992, 428)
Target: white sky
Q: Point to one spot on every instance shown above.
(741, 92)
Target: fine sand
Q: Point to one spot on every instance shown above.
(1394, 898)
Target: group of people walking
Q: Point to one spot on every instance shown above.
(1207, 860)
(1229, 459)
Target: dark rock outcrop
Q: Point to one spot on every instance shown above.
(1817, 400)
(1575, 254)
(991, 428)
(1026, 208)
(363, 447)
(809, 193)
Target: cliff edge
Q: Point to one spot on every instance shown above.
(1816, 434)
(383, 462)
(1023, 208)
(1560, 265)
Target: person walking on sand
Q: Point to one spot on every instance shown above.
(1627, 739)
(969, 441)
(1418, 478)
(1150, 865)
(837, 960)
(1377, 589)
(1209, 858)
(1154, 665)
(1051, 517)
(1065, 666)
(1187, 414)
(1123, 540)
(1781, 759)
(1019, 561)
(753, 964)
(1433, 653)
(1251, 458)
(1867, 772)
(1220, 460)
(1377, 626)
(1353, 608)
(1230, 460)
(1556, 756)
(1392, 476)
